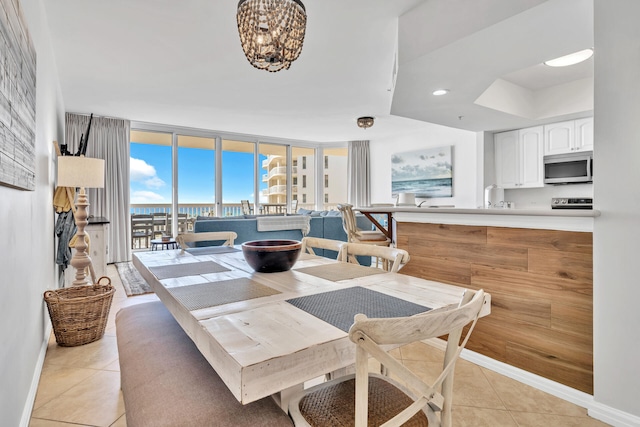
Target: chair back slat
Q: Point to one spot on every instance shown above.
(228, 238)
(393, 258)
(309, 243)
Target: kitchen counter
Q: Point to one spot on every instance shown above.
(537, 265)
(550, 219)
(528, 212)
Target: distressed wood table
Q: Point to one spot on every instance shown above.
(258, 343)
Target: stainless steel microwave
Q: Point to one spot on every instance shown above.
(568, 168)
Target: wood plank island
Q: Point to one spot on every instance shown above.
(540, 278)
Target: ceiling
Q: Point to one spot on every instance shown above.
(180, 63)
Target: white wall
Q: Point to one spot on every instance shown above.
(27, 234)
(465, 163)
(617, 195)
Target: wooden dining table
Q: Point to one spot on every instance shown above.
(265, 334)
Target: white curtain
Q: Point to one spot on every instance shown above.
(108, 140)
(358, 173)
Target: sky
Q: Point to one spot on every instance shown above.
(150, 175)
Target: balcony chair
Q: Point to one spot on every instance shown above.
(159, 224)
(345, 400)
(141, 230)
(227, 238)
(393, 259)
(247, 209)
(293, 207)
(183, 223)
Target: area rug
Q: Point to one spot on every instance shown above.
(132, 281)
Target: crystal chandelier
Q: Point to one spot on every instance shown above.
(271, 32)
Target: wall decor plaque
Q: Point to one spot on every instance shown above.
(17, 99)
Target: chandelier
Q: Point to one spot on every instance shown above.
(271, 32)
(365, 122)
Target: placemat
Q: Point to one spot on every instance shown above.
(339, 307)
(188, 269)
(211, 294)
(345, 272)
(211, 250)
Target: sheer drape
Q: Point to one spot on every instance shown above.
(358, 173)
(108, 140)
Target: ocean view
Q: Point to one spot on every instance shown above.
(440, 187)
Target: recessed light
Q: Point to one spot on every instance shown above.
(571, 59)
(439, 92)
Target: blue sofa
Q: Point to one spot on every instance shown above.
(327, 224)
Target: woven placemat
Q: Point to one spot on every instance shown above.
(339, 307)
(345, 272)
(189, 269)
(211, 250)
(211, 294)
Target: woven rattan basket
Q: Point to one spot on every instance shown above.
(79, 314)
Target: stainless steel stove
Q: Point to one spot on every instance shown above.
(571, 203)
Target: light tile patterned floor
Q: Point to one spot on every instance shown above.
(80, 386)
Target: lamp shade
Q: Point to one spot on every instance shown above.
(74, 171)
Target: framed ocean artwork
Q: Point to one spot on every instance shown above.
(426, 172)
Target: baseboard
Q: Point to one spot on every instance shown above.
(613, 416)
(595, 409)
(33, 389)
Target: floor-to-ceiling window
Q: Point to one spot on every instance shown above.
(273, 185)
(196, 189)
(150, 172)
(187, 173)
(334, 175)
(304, 175)
(238, 175)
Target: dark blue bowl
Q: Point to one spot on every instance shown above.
(271, 256)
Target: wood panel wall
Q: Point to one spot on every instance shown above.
(541, 284)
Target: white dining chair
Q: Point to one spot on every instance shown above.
(311, 243)
(393, 259)
(227, 237)
(368, 398)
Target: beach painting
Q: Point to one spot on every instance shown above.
(426, 173)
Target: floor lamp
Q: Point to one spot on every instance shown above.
(82, 172)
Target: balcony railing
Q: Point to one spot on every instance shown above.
(194, 210)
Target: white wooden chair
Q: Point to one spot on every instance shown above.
(228, 238)
(311, 243)
(393, 259)
(381, 399)
(356, 235)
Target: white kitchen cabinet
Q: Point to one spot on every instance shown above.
(584, 134)
(567, 137)
(518, 158)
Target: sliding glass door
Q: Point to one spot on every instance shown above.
(238, 176)
(196, 189)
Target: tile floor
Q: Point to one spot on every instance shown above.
(80, 386)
